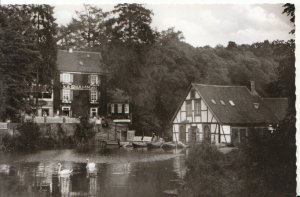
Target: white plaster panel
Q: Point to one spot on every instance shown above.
(203, 106)
(209, 116)
(226, 129)
(204, 116)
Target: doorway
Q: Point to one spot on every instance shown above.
(182, 133)
(193, 134)
(206, 133)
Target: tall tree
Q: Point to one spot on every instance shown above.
(18, 57)
(86, 30)
(131, 24)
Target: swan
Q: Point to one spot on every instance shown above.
(90, 166)
(63, 172)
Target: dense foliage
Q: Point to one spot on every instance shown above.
(27, 53)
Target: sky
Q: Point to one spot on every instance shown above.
(209, 24)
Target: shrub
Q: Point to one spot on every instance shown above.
(29, 136)
(84, 131)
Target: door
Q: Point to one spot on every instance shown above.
(206, 133)
(235, 136)
(192, 134)
(182, 134)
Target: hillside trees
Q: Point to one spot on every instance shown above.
(28, 50)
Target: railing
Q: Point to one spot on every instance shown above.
(58, 119)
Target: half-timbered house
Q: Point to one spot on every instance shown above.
(224, 114)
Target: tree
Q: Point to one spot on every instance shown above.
(132, 24)
(86, 30)
(18, 58)
(289, 9)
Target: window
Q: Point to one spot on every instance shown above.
(192, 93)
(112, 107)
(94, 79)
(66, 111)
(197, 107)
(47, 95)
(66, 77)
(94, 111)
(222, 102)
(188, 108)
(119, 108)
(126, 108)
(66, 94)
(213, 101)
(231, 103)
(93, 95)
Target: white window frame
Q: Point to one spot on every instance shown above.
(66, 77)
(91, 111)
(94, 79)
(126, 108)
(112, 108)
(119, 108)
(66, 107)
(95, 95)
(67, 94)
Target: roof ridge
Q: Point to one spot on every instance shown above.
(81, 52)
(285, 98)
(219, 85)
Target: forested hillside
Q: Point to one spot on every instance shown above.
(155, 68)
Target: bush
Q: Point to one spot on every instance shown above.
(29, 136)
(205, 171)
(84, 131)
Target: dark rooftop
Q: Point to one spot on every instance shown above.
(277, 105)
(241, 107)
(79, 61)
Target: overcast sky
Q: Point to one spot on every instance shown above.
(210, 24)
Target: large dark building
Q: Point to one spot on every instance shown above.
(80, 88)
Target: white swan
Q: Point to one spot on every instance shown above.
(65, 171)
(90, 166)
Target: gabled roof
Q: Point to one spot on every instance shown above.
(243, 111)
(79, 61)
(278, 106)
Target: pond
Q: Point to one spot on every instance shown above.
(119, 172)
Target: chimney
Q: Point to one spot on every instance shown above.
(70, 50)
(252, 90)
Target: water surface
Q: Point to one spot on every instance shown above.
(119, 172)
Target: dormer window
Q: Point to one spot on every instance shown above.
(222, 102)
(256, 105)
(231, 103)
(213, 101)
(192, 93)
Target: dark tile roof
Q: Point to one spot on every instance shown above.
(278, 106)
(243, 112)
(79, 61)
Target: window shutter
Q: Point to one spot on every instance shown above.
(61, 94)
(99, 79)
(61, 77)
(89, 79)
(71, 95)
(71, 78)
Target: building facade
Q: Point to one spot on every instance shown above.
(224, 114)
(80, 87)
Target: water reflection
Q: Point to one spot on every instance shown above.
(122, 178)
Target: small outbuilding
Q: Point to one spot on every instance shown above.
(225, 114)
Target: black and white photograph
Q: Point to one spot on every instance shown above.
(148, 99)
